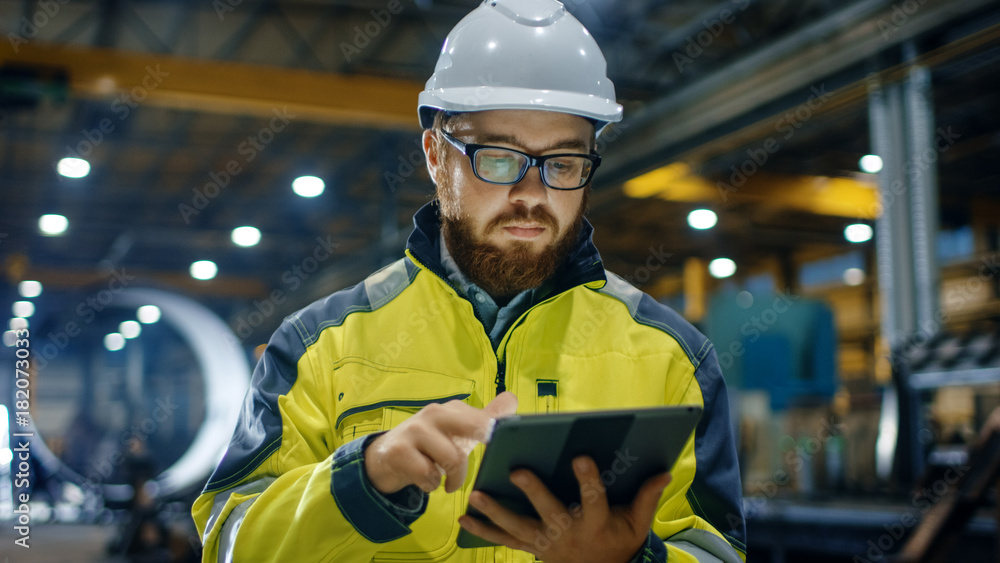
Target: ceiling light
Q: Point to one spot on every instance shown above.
(858, 232)
(722, 268)
(29, 289)
(148, 314)
(52, 225)
(204, 270)
(23, 309)
(73, 167)
(702, 219)
(246, 236)
(18, 323)
(308, 186)
(130, 329)
(8, 339)
(854, 276)
(870, 163)
(114, 341)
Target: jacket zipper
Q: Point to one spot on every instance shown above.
(501, 380)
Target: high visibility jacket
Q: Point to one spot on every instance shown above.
(291, 486)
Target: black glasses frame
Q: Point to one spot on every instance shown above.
(470, 150)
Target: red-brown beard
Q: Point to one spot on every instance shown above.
(505, 272)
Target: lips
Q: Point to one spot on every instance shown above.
(524, 231)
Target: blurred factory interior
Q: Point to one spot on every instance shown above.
(810, 182)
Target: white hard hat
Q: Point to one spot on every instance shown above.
(520, 54)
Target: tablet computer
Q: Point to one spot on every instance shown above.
(629, 447)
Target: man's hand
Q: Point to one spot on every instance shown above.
(592, 531)
(432, 443)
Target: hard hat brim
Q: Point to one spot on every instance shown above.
(482, 98)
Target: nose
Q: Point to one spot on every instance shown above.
(530, 191)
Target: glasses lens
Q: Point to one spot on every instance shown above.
(567, 171)
(498, 165)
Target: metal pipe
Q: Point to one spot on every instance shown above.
(892, 226)
(921, 173)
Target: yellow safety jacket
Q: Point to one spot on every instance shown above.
(292, 488)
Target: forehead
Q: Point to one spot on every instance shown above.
(529, 129)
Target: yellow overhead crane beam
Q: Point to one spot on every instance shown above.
(820, 195)
(223, 86)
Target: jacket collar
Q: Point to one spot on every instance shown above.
(582, 266)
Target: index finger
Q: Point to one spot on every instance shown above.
(458, 420)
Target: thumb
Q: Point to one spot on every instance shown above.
(648, 498)
(505, 404)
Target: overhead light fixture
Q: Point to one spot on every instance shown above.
(702, 219)
(246, 236)
(73, 167)
(308, 186)
(130, 329)
(29, 289)
(148, 314)
(858, 232)
(17, 323)
(114, 341)
(854, 276)
(23, 309)
(53, 225)
(721, 268)
(870, 163)
(204, 270)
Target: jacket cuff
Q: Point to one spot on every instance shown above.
(653, 551)
(378, 518)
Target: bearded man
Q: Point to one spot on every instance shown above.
(352, 445)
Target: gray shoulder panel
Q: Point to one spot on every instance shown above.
(387, 283)
(623, 291)
(646, 310)
(705, 546)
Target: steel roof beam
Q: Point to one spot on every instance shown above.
(226, 87)
(659, 131)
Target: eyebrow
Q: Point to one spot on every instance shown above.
(511, 140)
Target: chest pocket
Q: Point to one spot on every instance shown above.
(373, 397)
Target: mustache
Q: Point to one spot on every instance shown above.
(536, 214)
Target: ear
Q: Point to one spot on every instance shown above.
(431, 153)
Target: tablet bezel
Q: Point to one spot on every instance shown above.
(629, 445)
